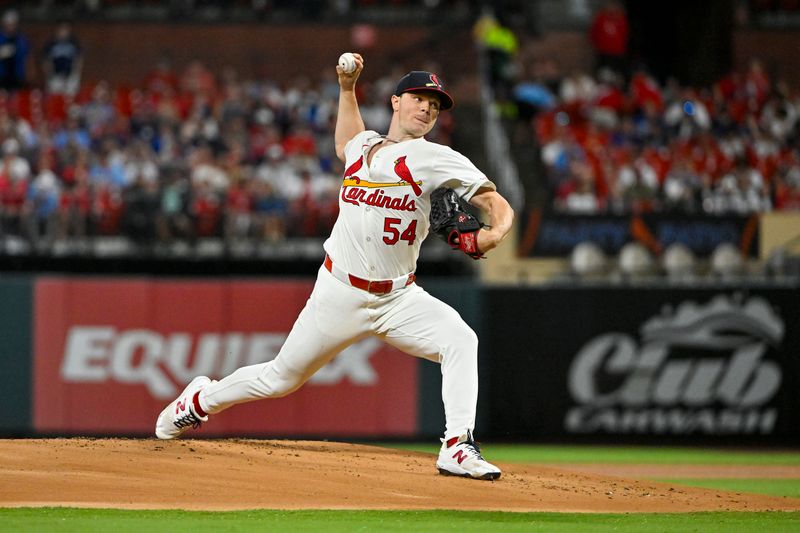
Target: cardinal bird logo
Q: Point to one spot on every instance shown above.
(352, 169)
(402, 171)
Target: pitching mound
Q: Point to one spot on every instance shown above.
(250, 474)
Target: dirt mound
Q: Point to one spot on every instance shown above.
(251, 474)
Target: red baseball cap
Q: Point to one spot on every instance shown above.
(420, 80)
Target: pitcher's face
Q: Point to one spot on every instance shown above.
(416, 112)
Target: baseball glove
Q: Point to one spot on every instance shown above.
(451, 220)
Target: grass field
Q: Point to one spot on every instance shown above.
(520, 453)
(65, 519)
(80, 520)
(517, 453)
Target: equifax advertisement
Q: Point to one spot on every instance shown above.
(109, 354)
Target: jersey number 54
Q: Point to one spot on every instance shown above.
(393, 234)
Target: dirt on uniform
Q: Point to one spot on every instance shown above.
(261, 474)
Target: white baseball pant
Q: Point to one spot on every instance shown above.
(335, 316)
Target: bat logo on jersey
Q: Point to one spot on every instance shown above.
(402, 171)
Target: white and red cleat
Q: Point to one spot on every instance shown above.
(461, 456)
(184, 412)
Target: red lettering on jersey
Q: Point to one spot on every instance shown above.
(357, 195)
(460, 456)
(401, 170)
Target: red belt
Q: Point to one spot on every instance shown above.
(375, 287)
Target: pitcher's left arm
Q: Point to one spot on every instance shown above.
(500, 215)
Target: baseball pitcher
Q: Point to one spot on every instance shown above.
(366, 284)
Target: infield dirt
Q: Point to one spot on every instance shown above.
(261, 474)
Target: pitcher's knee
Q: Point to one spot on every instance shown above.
(278, 382)
(468, 339)
(464, 343)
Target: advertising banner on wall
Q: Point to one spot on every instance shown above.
(646, 363)
(109, 354)
(556, 235)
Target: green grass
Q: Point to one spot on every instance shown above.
(770, 487)
(521, 453)
(81, 520)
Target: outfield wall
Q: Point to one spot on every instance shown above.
(101, 356)
(646, 364)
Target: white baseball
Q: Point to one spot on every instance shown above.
(348, 62)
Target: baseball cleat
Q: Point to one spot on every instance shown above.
(461, 456)
(182, 413)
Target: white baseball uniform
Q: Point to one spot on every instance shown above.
(366, 284)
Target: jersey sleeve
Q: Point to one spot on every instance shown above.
(358, 140)
(460, 174)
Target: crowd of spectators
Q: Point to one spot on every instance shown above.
(185, 154)
(611, 145)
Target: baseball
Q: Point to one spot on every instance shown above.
(348, 62)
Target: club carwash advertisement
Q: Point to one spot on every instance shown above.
(109, 354)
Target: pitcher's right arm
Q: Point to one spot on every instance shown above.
(348, 120)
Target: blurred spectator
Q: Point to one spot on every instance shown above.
(107, 167)
(239, 211)
(72, 135)
(787, 190)
(162, 78)
(107, 209)
(197, 80)
(62, 62)
(204, 172)
(501, 45)
(681, 186)
(141, 208)
(139, 163)
(532, 93)
(577, 88)
(271, 212)
(99, 113)
(560, 151)
(14, 50)
(578, 194)
(75, 207)
(174, 221)
(205, 209)
(609, 37)
(14, 175)
(41, 207)
(637, 188)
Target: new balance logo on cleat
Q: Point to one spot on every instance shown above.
(182, 413)
(461, 456)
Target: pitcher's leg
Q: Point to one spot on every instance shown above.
(423, 326)
(305, 351)
(420, 325)
(334, 318)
